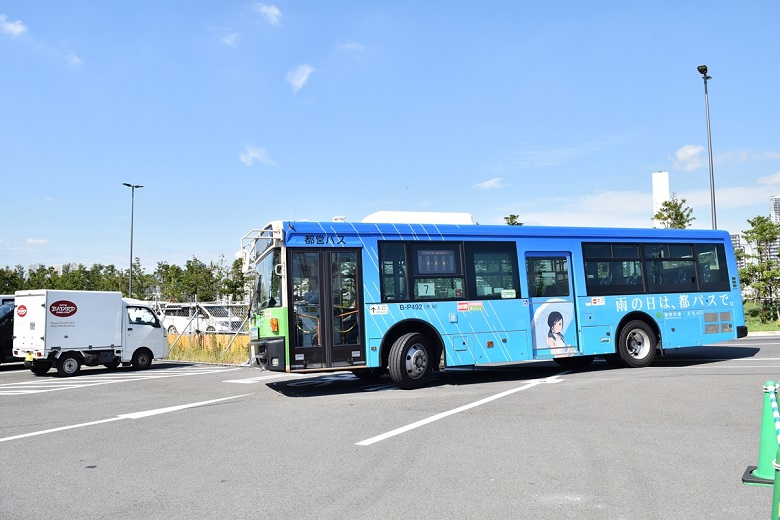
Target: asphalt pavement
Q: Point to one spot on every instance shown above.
(182, 441)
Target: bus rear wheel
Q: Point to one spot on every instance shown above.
(410, 361)
(637, 343)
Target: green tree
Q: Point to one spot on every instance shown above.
(12, 280)
(511, 220)
(674, 214)
(762, 274)
(169, 282)
(235, 284)
(42, 278)
(198, 281)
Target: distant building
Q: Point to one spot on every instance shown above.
(736, 242)
(58, 268)
(774, 214)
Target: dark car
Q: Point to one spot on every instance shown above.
(7, 333)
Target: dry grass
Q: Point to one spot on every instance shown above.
(209, 348)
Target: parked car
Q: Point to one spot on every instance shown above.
(180, 318)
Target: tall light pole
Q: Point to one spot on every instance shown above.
(703, 71)
(132, 208)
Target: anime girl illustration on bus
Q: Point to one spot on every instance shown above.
(551, 321)
(555, 335)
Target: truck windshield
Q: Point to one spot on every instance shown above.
(268, 289)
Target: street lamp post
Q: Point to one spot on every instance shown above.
(132, 208)
(703, 71)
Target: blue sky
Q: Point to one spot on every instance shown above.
(232, 114)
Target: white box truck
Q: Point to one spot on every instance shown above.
(68, 329)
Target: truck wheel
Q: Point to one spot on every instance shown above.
(113, 364)
(410, 361)
(142, 359)
(68, 364)
(40, 367)
(636, 346)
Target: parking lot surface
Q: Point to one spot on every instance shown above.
(534, 441)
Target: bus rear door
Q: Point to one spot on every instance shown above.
(551, 293)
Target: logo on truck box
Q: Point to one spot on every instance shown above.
(63, 308)
(21, 311)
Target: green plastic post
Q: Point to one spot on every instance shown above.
(767, 447)
(776, 488)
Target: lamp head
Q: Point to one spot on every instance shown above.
(702, 69)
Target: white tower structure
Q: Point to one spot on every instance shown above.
(660, 193)
(774, 214)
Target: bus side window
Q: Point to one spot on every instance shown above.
(392, 271)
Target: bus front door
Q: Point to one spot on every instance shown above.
(326, 323)
(553, 320)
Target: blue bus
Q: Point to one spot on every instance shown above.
(412, 298)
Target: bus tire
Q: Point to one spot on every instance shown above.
(410, 362)
(574, 361)
(637, 343)
(68, 364)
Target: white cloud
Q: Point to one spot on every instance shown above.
(743, 156)
(769, 180)
(230, 39)
(299, 76)
(490, 184)
(531, 158)
(252, 154)
(37, 242)
(271, 13)
(13, 28)
(689, 157)
(350, 46)
(73, 59)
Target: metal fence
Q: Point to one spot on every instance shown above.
(204, 317)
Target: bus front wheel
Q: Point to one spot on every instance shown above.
(636, 347)
(410, 361)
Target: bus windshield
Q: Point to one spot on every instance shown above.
(268, 290)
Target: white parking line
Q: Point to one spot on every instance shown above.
(43, 384)
(423, 422)
(136, 415)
